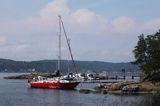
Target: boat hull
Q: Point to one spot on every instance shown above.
(54, 85)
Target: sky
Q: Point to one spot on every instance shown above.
(100, 30)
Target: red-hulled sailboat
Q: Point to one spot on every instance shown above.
(61, 82)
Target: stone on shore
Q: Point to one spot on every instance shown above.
(115, 86)
(105, 91)
(130, 89)
(85, 91)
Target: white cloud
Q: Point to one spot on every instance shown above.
(15, 51)
(2, 40)
(123, 25)
(23, 27)
(55, 8)
(14, 48)
(107, 55)
(21, 47)
(151, 26)
(90, 22)
(124, 56)
(82, 21)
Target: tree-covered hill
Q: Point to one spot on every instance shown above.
(7, 65)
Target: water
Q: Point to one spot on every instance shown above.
(18, 93)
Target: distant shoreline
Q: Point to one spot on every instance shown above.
(7, 65)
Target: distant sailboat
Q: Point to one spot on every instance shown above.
(64, 82)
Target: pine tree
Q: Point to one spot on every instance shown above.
(147, 54)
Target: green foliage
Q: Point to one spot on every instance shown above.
(147, 53)
(140, 51)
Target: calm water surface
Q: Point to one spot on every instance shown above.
(18, 93)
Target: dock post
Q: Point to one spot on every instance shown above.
(124, 75)
(116, 77)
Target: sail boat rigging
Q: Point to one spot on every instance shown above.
(58, 82)
(68, 43)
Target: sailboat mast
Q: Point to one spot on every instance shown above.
(59, 55)
(68, 57)
(68, 43)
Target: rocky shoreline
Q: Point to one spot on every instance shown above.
(125, 88)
